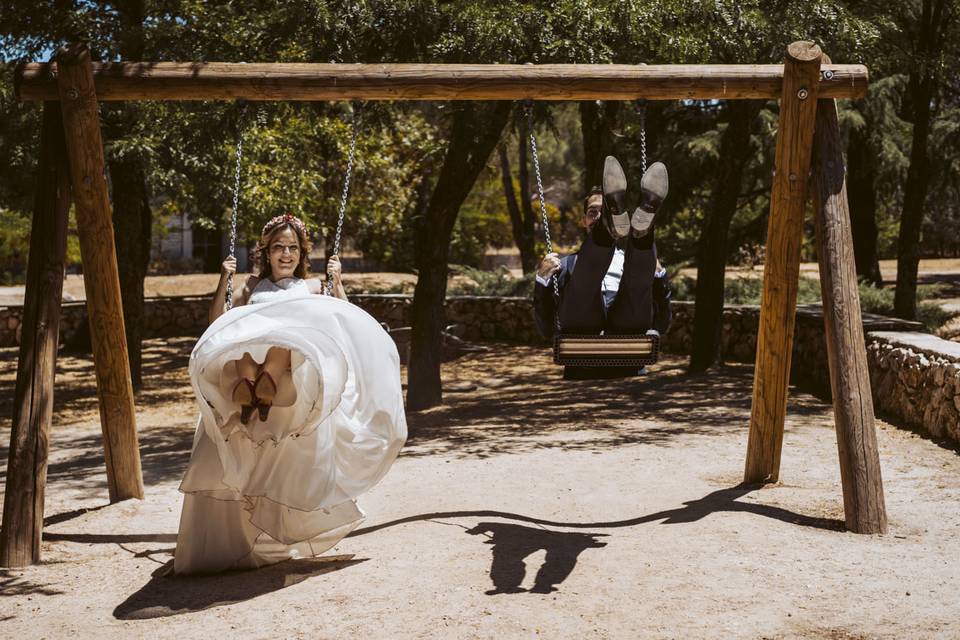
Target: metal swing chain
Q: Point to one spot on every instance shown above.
(346, 190)
(528, 107)
(642, 108)
(241, 128)
(236, 201)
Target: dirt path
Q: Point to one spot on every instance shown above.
(526, 507)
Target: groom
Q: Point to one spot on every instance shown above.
(614, 283)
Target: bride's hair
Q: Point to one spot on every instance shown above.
(270, 230)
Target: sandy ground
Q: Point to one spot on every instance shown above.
(525, 507)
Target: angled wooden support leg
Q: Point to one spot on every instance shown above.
(40, 325)
(81, 125)
(863, 503)
(781, 272)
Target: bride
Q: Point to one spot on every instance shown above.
(301, 411)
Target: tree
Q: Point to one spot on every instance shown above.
(735, 32)
(475, 130)
(521, 223)
(932, 29)
(132, 215)
(735, 152)
(862, 166)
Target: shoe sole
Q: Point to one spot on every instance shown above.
(655, 181)
(615, 188)
(641, 221)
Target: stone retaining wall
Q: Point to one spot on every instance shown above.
(480, 318)
(916, 377)
(165, 317)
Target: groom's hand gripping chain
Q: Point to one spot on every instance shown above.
(549, 266)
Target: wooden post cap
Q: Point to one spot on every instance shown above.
(76, 53)
(804, 51)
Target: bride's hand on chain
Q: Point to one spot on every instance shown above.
(229, 267)
(334, 269)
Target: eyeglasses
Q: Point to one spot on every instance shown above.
(594, 212)
(285, 248)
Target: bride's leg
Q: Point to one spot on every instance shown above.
(276, 363)
(247, 367)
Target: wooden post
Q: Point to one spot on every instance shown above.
(40, 324)
(101, 281)
(781, 273)
(863, 503)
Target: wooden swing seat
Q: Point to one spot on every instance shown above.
(605, 350)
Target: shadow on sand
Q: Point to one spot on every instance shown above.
(723, 500)
(166, 595)
(514, 542)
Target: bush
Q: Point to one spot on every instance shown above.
(743, 290)
(499, 282)
(880, 302)
(15, 229)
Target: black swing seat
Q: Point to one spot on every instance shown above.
(605, 350)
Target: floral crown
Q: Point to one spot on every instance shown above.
(286, 218)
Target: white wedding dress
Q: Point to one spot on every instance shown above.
(287, 487)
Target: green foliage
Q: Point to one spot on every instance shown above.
(749, 290)
(499, 282)
(880, 302)
(14, 246)
(295, 157)
(744, 290)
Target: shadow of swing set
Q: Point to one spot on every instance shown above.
(71, 170)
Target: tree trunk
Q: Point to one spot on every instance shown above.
(915, 193)
(476, 129)
(861, 184)
(735, 153)
(597, 122)
(529, 221)
(132, 216)
(132, 222)
(921, 89)
(521, 236)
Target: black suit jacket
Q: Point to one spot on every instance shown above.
(545, 303)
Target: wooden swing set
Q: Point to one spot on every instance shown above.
(71, 170)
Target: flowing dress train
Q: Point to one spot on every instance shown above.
(287, 487)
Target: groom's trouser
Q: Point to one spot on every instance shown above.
(582, 310)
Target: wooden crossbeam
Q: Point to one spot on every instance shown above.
(305, 81)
